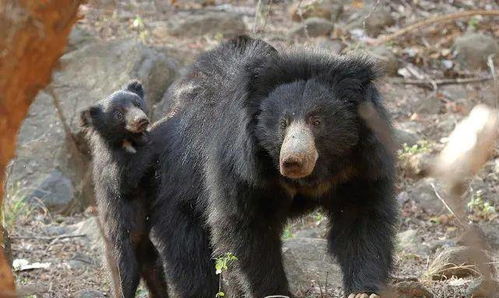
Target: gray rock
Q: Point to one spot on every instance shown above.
(406, 137)
(416, 165)
(56, 192)
(429, 105)
(491, 231)
(90, 228)
(329, 10)
(309, 233)
(386, 59)
(378, 19)
(209, 22)
(411, 289)
(90, 294)
(307, 260)
(86, 74)
(56, 230)
(313, 26)
(482, 288)
(410, 242)
(473, 49)
(423, 194)
(78, 37)
(331, 46)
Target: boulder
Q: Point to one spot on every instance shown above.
(55, 192)
(51, 152)
(306, 262)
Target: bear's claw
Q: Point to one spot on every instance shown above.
(362, 295)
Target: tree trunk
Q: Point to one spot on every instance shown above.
(33, 36)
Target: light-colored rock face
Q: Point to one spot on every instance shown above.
(90, 71)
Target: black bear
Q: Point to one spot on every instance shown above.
(259, 137)
(123, 157)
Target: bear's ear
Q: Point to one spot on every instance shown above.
(88, 116)
(136, 87)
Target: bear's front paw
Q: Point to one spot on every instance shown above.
(362, 295)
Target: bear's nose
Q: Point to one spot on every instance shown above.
(142, 123)
(292, 163)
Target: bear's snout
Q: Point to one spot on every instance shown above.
(298, 153)
(137, 121)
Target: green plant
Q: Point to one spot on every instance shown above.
(422, 146)
(287, 234)
(15, 206)
(479, 206)
(473, 23)
(222, 264)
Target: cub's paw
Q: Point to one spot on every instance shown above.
(362, 295)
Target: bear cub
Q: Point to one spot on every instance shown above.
(123, 175)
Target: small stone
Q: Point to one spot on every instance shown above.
(430, 105)
(424, 196)
(417, 165)
(410, 242)
(90, 294)
(326, 9)
(482, 288)
(473, 49)
(332, 46)
(411, 289)
(90, 228)
(378, 19)
(406, 137)
(227, 24)
(386, 59)
(314, 27)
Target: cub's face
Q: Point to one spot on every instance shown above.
(307, 128)
(120, 116)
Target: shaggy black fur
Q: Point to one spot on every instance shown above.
(124, 158)
(221, 187)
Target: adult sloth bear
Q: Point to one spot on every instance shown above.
(260, 137)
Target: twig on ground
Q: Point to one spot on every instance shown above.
(432, 84)
(446, 205)
(47, 237)
(435, 20)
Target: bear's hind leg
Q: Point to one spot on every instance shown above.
(152, 270)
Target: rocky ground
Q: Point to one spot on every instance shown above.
(55, 239)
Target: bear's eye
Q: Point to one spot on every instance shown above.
(118, 115)
(284, 123)
(315, 121)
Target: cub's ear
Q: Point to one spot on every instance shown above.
(88, 116)
(136, 87)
